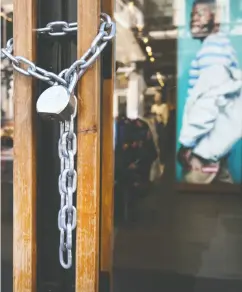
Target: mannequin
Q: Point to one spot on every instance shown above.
(160, 112)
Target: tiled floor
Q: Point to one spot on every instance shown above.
(191, 234)
(129, 280)
(181, 242)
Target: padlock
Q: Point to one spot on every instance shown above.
(56, 102)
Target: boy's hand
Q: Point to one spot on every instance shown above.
(183, 157)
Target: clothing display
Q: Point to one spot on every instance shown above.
(7, 127)
(155, 171)
(135, 152)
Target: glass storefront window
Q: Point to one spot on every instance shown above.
(172, 200)
(177, 142)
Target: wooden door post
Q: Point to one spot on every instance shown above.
(88, 154)
(107, 152)
(24, 176)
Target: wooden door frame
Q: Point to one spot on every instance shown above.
(107, 166)
(24, 170)
(88, 154)
(95, 136)
(94, 233)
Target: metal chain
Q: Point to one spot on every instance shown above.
(7, 52)
(67, 145)
(58, 28)
(106, 33)
(67, 186)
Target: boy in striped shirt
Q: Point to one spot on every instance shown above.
(212, 121)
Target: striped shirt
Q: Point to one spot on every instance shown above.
(216, 50)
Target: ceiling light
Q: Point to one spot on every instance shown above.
(140, 27)
(152, 59)
(148, 49)
(158, 75)
(160, 79)
(145, 40)
(162, 84)
(163, 34)
(150, 54)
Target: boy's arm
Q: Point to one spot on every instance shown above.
(202, 110)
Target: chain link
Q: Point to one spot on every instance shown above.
(106, 33)
(7, 52)
(67, 144)
(67, 148)
(58, 28)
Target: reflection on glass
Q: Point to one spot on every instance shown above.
(175, 229)
(6, 153)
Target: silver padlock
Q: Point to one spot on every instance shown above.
(57, 102)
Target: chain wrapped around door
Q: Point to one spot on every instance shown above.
(59, 102)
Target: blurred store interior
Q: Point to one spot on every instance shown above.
(169, 239)
(6, 150)
(169, 236)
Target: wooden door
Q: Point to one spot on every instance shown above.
(94, 159)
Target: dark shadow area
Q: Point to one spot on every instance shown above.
(147, 280)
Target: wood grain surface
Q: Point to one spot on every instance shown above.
(24, 176)
(107, 162)
(88, 155)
